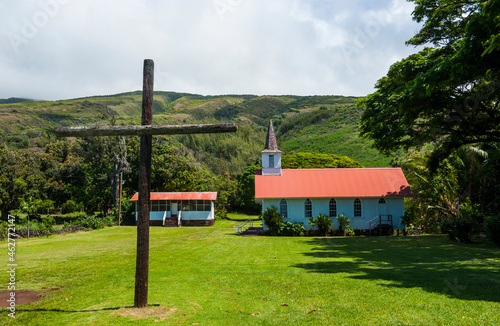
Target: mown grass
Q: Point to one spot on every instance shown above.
(242, 217)
(210, 276)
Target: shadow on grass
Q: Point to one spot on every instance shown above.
(83, 310)
(432, 263)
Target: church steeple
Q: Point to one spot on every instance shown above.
(271, 155)
(271, 138)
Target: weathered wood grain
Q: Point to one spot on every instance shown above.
(96, 131)
(142, 260)
(146, 130)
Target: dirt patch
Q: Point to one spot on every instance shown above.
(21, 296)
(150, 312)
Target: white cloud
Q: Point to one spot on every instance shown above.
(69, 48)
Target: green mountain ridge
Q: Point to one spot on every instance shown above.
(13, 100)
(322, 123)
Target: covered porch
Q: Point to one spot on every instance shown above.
(180, 208)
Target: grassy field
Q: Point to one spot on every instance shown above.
(210, 276)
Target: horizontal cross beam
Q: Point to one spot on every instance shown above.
(144, 130)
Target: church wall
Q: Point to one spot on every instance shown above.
(369, 209)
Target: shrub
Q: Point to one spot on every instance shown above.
(492, 228)
(71, 217)
(220, 213)
(459, 229)
(46, 230)
(70, 206)
(48, 220)
(324, 223)
(110, 220)
(408, 220)
(273, 220)
(4, 227)
(472, 212)
(343, 222)
(313, 221)
(47, 227)
(292, 229)
(128, 215)
(91, 222)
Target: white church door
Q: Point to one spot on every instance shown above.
(382, 207)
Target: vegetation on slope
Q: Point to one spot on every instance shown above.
(321, 124)
(35, 165)
(317, 161)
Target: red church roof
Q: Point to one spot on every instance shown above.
(179, 196)
(321, 183)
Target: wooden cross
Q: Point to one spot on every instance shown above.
(146, 130)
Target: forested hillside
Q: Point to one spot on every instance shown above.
(73, 174)
(321, 124)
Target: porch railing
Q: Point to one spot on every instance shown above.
(378, 221)
(239, 228)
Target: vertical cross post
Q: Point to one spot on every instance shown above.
(146, 130)
(120, 192)
(142, 260)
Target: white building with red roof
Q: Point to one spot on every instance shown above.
(180, 208)
(370, 197)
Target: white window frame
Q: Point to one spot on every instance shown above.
(358, 204)
(284, 208)
(307, 209)
(332, 203)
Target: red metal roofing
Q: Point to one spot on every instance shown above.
(179, 196)
(319, 183)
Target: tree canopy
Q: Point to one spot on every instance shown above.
(317, 161)
(447, 93)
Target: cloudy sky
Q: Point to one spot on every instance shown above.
(60, 49)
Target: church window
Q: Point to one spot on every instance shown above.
(357, 207)
(271, 161)
(307, 208)
(283, 208)
(158, 205)
(333, 208)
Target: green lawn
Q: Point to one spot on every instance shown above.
(210, 276)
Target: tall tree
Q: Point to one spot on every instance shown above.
(10, 186)
(20, 177)
(245, 193)
(448, 93)
(489, 194)
(119, 164)
(173, 168)
(103, 161)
